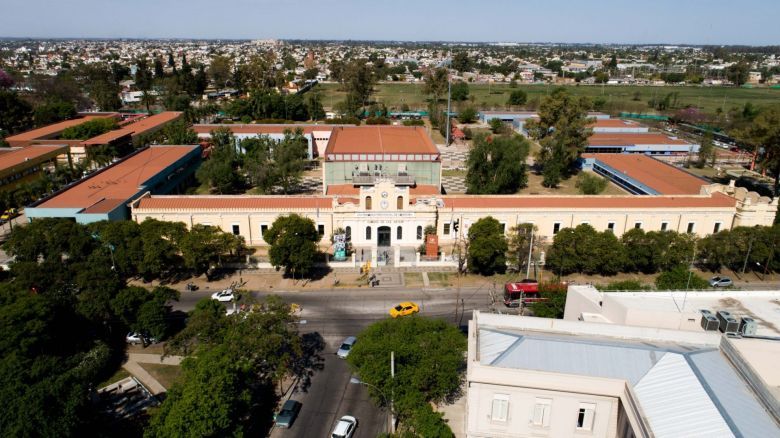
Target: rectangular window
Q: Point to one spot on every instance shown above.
(716, 228)
(691, 226)
(321, 229)
(500, 408)
(638, 225)
(611, 226)
(502, 227)
(556, 227)
(664, 226)
(542, 412)
(585, 416)
(263, 229)
(446, 228)
(236, 230)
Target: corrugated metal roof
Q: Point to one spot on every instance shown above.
(732, 397)
(683, 390)
(676, 404)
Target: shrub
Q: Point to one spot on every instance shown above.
(678, 278)
(590, 184)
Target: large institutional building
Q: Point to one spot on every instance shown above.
(382, 186)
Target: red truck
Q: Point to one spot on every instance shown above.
(524, 292)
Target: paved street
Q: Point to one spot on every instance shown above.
(336, 314)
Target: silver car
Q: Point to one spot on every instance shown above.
(345, 428)
(346, 347)
(721, 282)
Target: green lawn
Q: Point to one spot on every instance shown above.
(120, 374)
(618, 97)
(165, 374)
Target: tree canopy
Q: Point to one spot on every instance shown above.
(293, 240)
(429, 363)
(487, 247)
(496, 164)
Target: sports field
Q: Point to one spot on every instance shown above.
(616, 97)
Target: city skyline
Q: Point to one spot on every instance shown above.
(608, 22)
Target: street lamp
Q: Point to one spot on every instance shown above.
(384, 398)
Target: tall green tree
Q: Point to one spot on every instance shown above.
(518, 244)
(562, 130)
(179, 133)
(429, 362)
(436, 83)
(487, 247)
(496, 164)
(293, 240)
(706, 151)
(517, 97)
(15, 113)
(763, 135)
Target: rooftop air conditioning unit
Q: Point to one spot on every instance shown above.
(748, 326)
(709, 321)
(728, 323)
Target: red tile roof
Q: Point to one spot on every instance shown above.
(717, 200)
(632, 138)
(121, 181)
(662, 177)
(14, 160)
(135, 128)
(380, 140)
(55, 129)
(351, 190)
(235, 203)
(615, 123)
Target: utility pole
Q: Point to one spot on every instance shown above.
(530, 250)
(392, 393)
(449, 101)
(750, 248)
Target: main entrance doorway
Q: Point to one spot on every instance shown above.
(383, 236)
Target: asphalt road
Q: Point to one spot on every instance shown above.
(334, 315)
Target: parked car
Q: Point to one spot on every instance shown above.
(134, 338)
(403, 309)
(345, 428)
(721, 282)
(286, 416)
(224, 296)
(346, 347)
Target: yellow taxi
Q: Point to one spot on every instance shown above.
(404, 309)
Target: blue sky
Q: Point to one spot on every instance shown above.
(598, 21)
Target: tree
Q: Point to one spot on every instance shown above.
(53, 112)
(680, 278)
(220, 70)
(738, 73)
(459, 91)
(429, 358)
(358, 79)
(706, 151)
(554, 301)
(583, 249)
(293, 240)
(763, 135)
(496, 164)
(89, 129)
(219, 171)
(461, 62)
(468, 115)
(517, 97)
(436, 83)
(179, 133)
(519, 243)
(205, 245)
(215, 398)
(496, 126)
(289, 156)
(15, 113)
(562, 131)
(487, 247)
(590, 184)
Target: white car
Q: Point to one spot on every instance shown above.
(224, 296)
(345, 428)
(346, 347)
(134, 338)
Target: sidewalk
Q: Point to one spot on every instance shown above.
(133, 367)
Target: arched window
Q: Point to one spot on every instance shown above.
(419, 232)
(348, 232)
(368, 233)
(399, 203)
(368, 203)
(399, 233)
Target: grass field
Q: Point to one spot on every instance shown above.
(617, 97)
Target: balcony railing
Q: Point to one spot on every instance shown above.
(366, 179)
